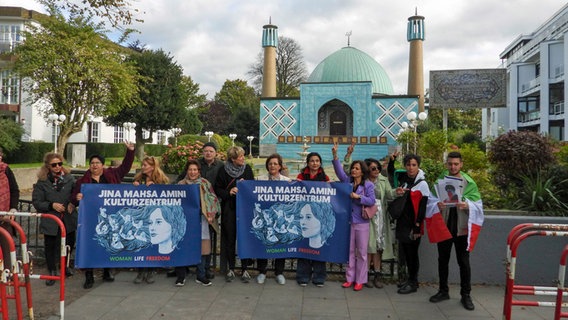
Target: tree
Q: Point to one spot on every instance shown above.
(10, 134)
(237, 93)
(117, 12)
(243, 104)
(290, 68)
(215, 116)
(163, 97)
(74, 70)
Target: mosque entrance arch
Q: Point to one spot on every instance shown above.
(335, 118)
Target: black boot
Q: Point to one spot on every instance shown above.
(49, 283)
(89, 279)
(107, 275)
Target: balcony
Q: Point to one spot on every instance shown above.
(525, 117)
(556, 109)
(530, 86)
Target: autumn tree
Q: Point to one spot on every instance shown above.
(215, 116)
(119, 13)
(290, 68)
(164, 96)
(71, 68)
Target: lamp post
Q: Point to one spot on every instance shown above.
(209, 134)
(128, 126)
(414, 121)
(233, 136)
(250, 138)
(56, 119)
(175, 132)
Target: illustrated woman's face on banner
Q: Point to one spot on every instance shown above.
(310, 225)
(160, 229)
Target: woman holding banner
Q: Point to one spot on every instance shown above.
(234, 170)
(209, 208)
(274, 168)
(51, 196)
(149, 174)
(311, 269)
(363, 194)
(97, 173)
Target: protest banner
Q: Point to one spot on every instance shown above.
(123, 226)
(300, 219)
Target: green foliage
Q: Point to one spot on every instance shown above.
(175, 158)
(432, 144)
(236, 94)
(473, 158)
(432, 168)
(542, 193)
(215, 116)
(74, 70)
(457, 119)
(29, 152)
(164, 96)
(518, 153)
(562, 155)
(10, 135)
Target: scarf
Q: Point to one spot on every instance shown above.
(4, 188)
(233, 171)
(56, 180)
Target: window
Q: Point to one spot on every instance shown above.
(528, 104)
(10, 88)
(94, 131)
(162, 138)
(9, 37)
(118, 134)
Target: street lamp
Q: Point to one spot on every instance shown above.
(175, 132)
(233, 136)
(209, 134)
(250, 138)
(414, 121)
(56, 119)
(128, 126)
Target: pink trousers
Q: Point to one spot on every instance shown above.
(357, 268)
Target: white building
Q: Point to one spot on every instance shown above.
(13, 98)
(536, 87)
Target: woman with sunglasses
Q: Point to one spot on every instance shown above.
(51, 195)
(381, 235)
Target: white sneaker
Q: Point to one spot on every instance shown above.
(245, 277)
(260, 278)
(280, 279)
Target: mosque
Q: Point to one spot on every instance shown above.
(348, 97)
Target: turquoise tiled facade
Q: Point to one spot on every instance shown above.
(368, 116)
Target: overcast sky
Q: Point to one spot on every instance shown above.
(216, 40)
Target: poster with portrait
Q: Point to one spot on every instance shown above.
(299, 219)
(450, 190)
(124, 226)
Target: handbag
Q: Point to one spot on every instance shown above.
(369, 212)
(396, 207)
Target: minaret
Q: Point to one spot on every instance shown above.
(415, 35)
(269, 43)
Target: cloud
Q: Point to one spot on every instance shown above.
(215, 40)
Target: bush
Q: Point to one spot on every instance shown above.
(29, 152)
(517, 153)
(175, 158)
(542, 193)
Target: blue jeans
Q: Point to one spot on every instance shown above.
(310, 269)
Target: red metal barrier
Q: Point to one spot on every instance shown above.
(26, 264)
(10, 278)
(516, 236)
(561, 289)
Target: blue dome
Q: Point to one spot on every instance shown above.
(348, 65)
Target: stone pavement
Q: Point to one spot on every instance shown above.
(125, 300)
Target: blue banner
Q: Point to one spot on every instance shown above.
(123, 226)
(299, 219)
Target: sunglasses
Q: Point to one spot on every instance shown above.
(374, 168)
(55, 164)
